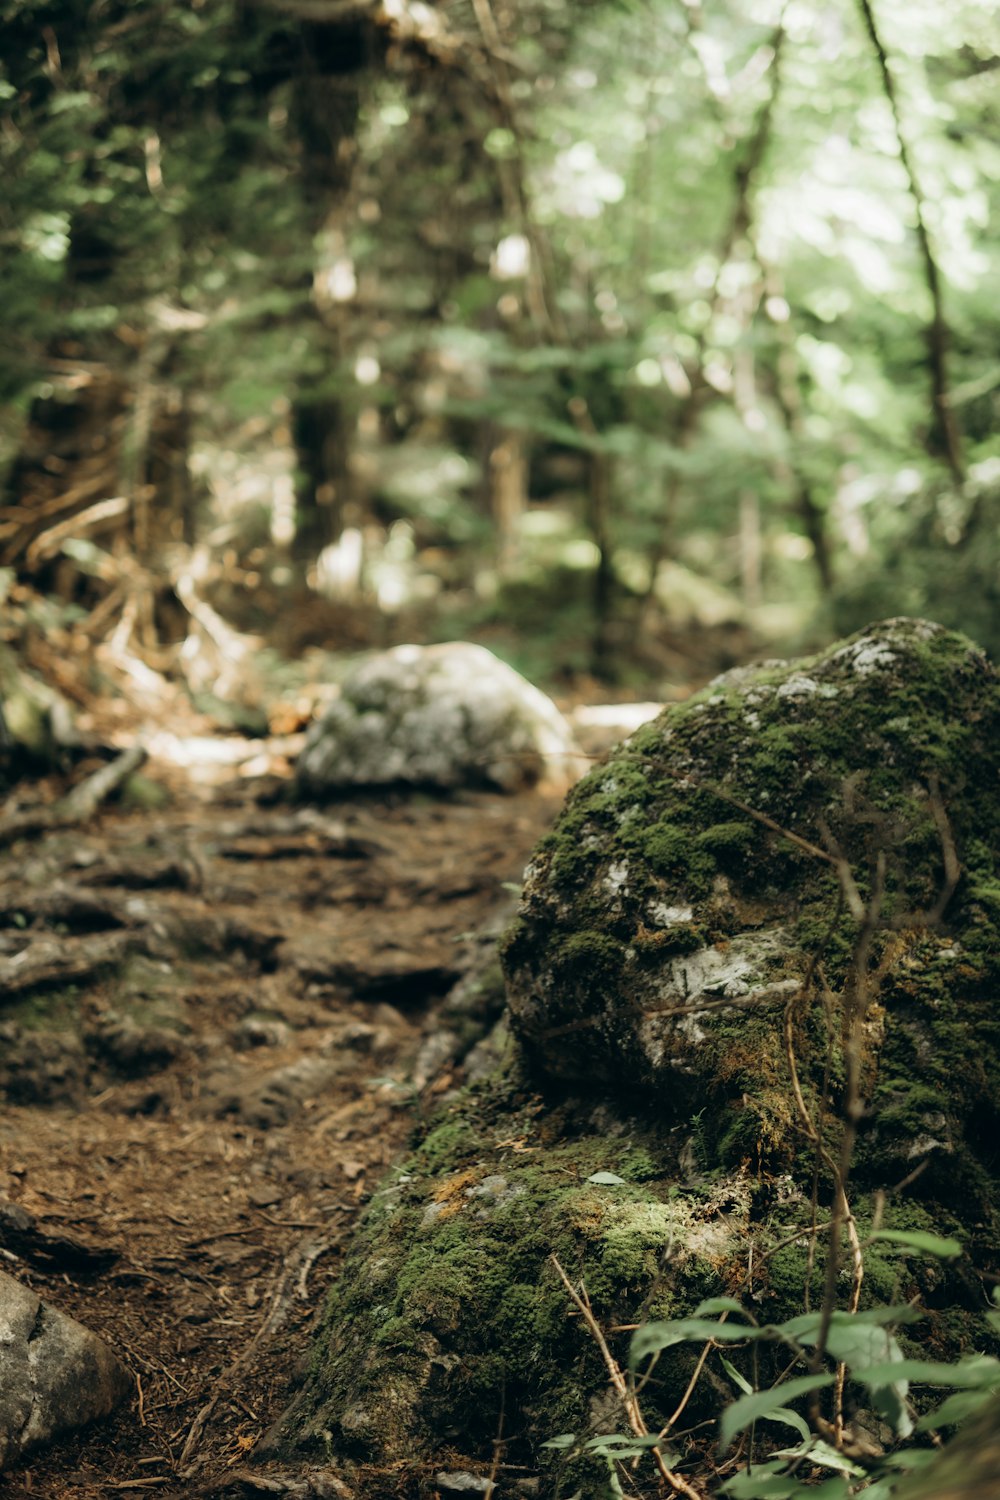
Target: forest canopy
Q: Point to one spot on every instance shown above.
(585, 321)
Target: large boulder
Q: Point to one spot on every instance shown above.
(55, 1375)
(710, 861)
(704, 917)
(438, 716)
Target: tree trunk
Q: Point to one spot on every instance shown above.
(507, 485)
(599, 516)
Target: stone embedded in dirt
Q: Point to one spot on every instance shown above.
(692, 927)
(260, 1031)
(443, 716)
(55, 1375)
(134, 1049)
(269, 1102)
(461, 1482)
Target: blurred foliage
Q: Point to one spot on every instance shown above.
(667, 258)
(934, 553)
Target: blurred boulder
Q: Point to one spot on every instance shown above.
(55, 1375)
(438, 716)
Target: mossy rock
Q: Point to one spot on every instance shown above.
(450, 1320)
(451, 1308)
(662, 1159)
(668, 887)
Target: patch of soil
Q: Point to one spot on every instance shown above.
(203, 1099)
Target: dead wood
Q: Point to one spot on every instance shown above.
(49, 542)
(79, 804)
(52, 962)
(166, 874)
(79, 911)
(84, 800)
(298, 835)
(23, 1236)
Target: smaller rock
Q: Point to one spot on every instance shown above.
(133, 1049)
(445, 716)
(260, 1031)
(55, 1375)
(461, 1482)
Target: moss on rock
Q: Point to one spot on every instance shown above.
(686, 857)
(671, 939)
(451, 1308)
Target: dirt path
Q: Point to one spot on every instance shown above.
(241, 1025)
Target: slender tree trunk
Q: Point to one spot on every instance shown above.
(507, 485)
(321, 432)
(599, 516)
(750, 548)
(944, 438)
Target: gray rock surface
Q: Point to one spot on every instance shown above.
(449, 715)
(55, 1375)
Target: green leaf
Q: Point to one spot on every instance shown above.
(606, 1179)
(821, 1454)
(622, 1444)
(752, 1408)
(859, 1341)
(908, 1461)
(804, 1328)
(763, 1482)
(562, 1442)
(653, 1337)
(735, 1376)
(789, 1418)
(955, 1408)
(975, 1372)
(718, 1305)
(918, 1239)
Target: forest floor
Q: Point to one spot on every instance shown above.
(239, 1032)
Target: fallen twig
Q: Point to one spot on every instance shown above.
(635, 1418)
(79, 804)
